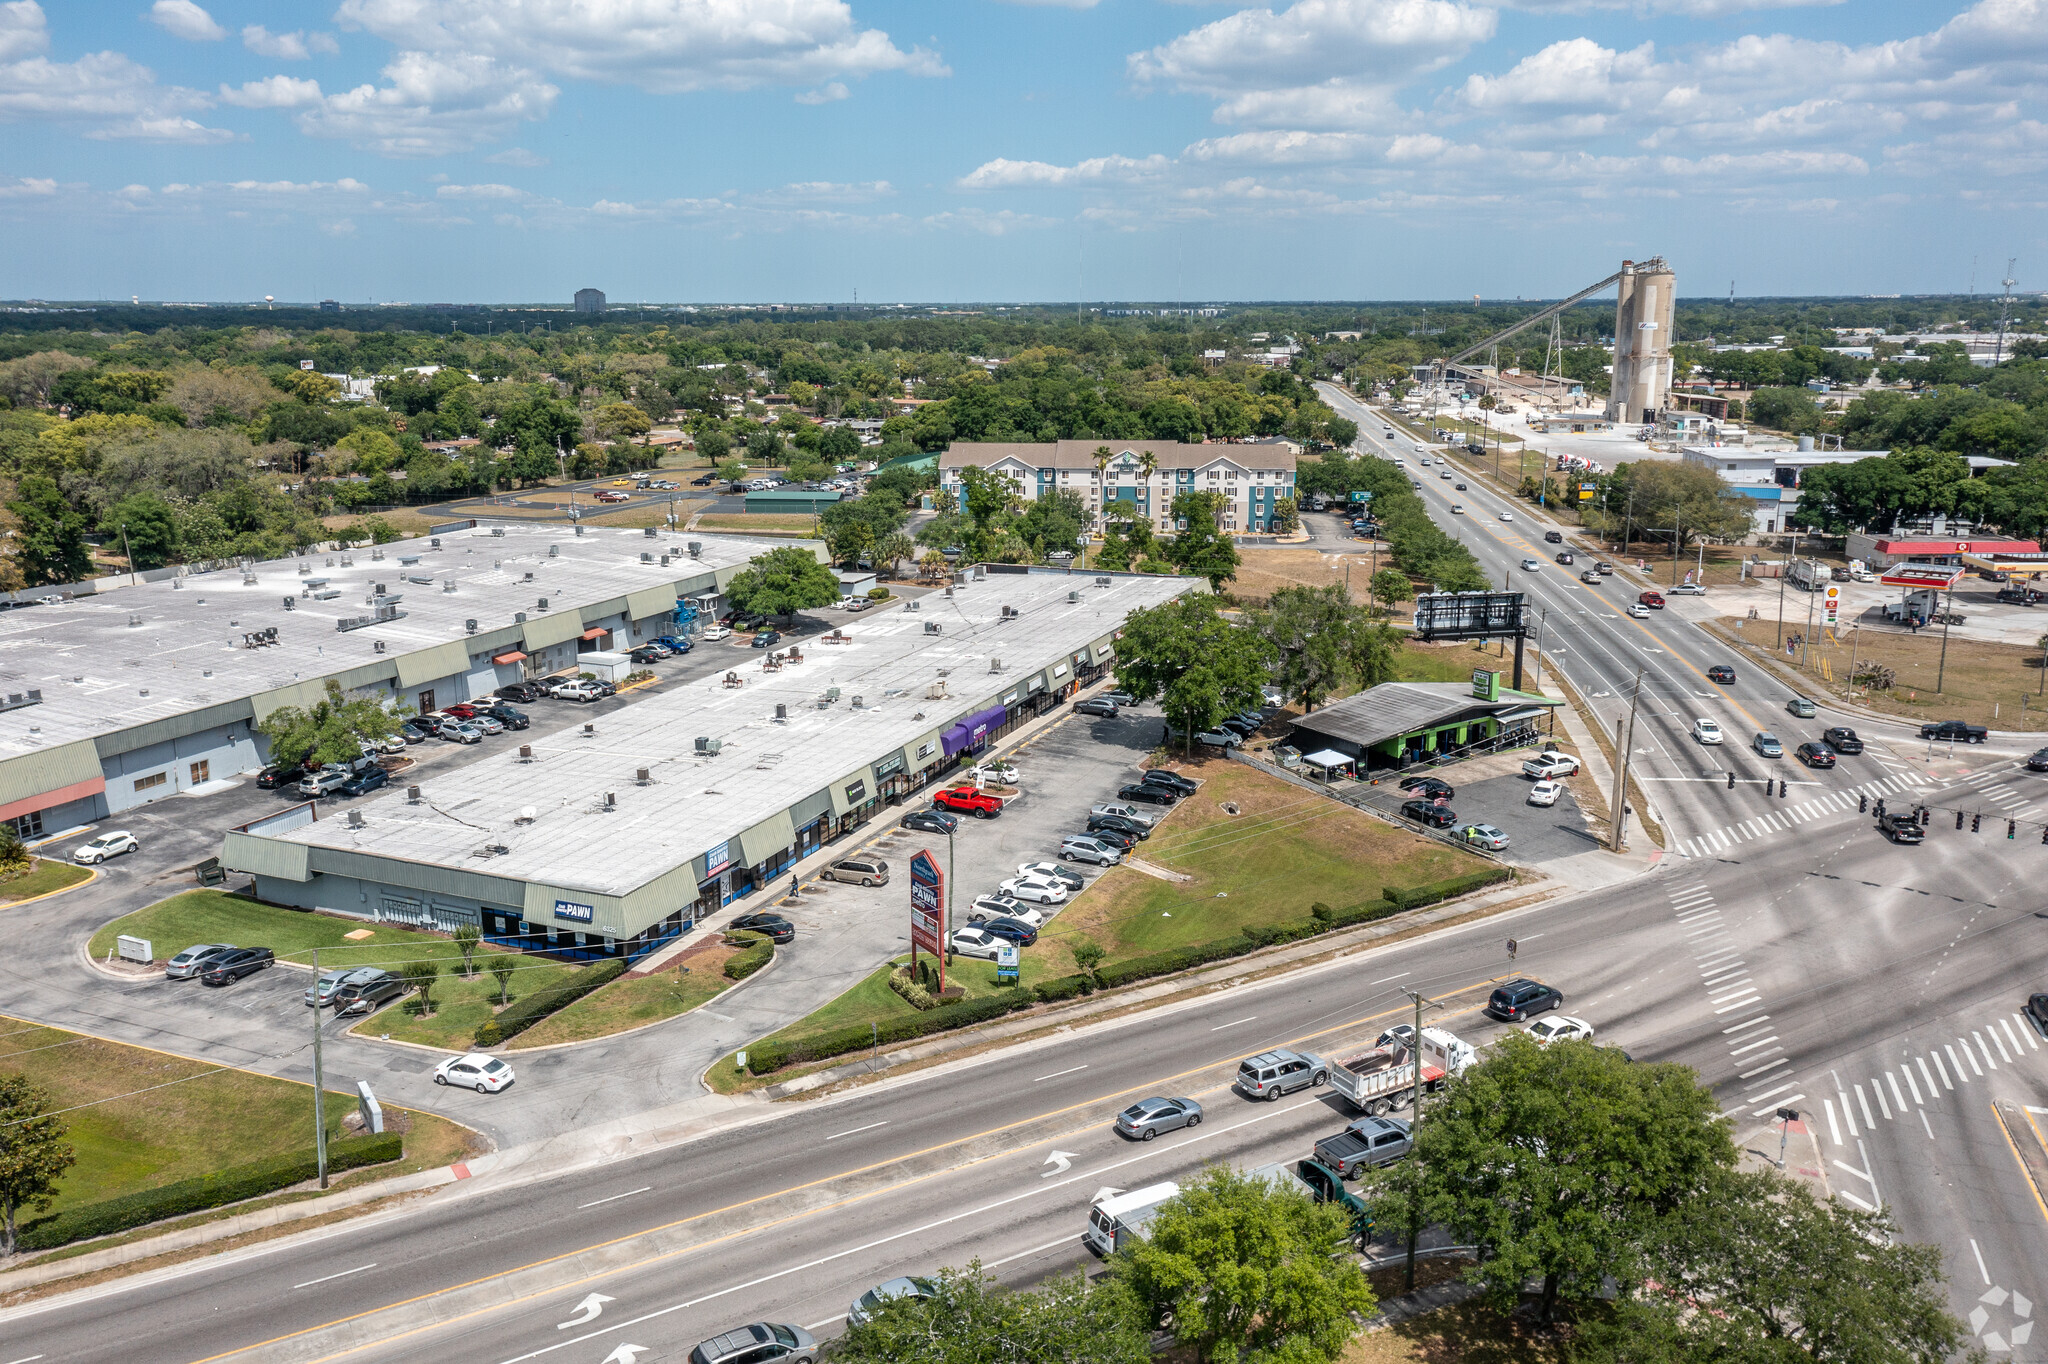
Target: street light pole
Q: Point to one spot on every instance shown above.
(1624, 736)
(1784, 571)
(1415, 1124)
(1950, 614)
(127, 555)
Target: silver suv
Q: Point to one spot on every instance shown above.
(761, 1343)
(1280, 1071)
(1081, 848)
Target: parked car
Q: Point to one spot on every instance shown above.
(675, 644)
(716, 632)
(975, 941)
(967, 800)
(461, 732)
(484, 1074)
(1560, 1029)
(2037, 1012)
(485, 724)
(761, 1343)
(987, 907)
(363, 783)
(1053, 871)
(366, 993)
(648, 653)
(110, 844)
(1843, 740)
(1815, 755)
(1545, 792)
(930, 821)
(577, 689)
(774, 926)
(519, 691)
(1484, 836)
(1280, 1071)
(389, 745)
(272, 778)
(1147, 1118)
(1118, 824)
(506, 716)
(1721, 673)
(461, 710)
(767, 639)
(1429, 813)
(324, 782)
(1038, 890)
(868, 1303)
(1121, 698)
(194, 959)
(1955, 729)
(322, 991)
(1706, 731)
(414, 733)
(1013, 930)
(1115, 838)
(1901, 826)
(1522, 998)
(1148, 793)
(1427, 786)
(1088, 848)
(999, 772)
(1766, 745)
(229, 967)
(1801, 707)
(1550, 766)
(1172, 781)
(1097, 705)
(1687, 589)
(1366, 1144)
(861, 871)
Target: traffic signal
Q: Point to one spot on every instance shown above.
(1959, 819)
(2044, 833)
(2012, 828)
(1926, 815)
(1731, 781)
(1781, 788)
(1862, 804)
(1976, 823)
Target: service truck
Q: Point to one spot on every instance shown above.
(1120, 1220)
(1379, 1080)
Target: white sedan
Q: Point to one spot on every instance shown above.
(1547, 1030)
(988, 907)
(1457, 508)
(484, 1074)
(1706, 731)
(1053, 871)
(1545, 792)
(976, 942)
(1039, 890)
(1530, 566)
(1507, 516)
(105, 846)
(1000, 773)
(1639, 611)
(712, 632)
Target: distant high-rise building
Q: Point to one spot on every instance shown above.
(590, 300)
(328, 305)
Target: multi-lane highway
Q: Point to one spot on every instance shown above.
(1787, 952)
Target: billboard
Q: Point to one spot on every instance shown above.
(928, 910)
(1470, 615)
(1485, 684)
(1361, 496)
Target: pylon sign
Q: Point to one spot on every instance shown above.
(1833, 605)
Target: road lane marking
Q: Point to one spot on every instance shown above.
(1847, 1116)
(1834, 1128)
(1711, 981)
(1774, 1089)
(1743, 989)
(343, 1275)
(1968, 1055)
(1980, 1261)
(1768, 1065)
(1070, 1070)
(1737, 1051)
(2007, 1029)
(1777, 1103)
(1066, 1240)
(1986, 1051)
(1750, 1023)
(26, 1359)
(1931, 1090)
(2027, 1032)
(1739, 1004)
(1907, 1071)
(1926, 1124)
(851, 1130)
(1999, 1043)
(627, 1194)
(826, 1322)
(1384, 979)
(1221, 1026)
(1877, 1092)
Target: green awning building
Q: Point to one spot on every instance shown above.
(1398, 723)
(791, 500)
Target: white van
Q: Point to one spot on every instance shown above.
(1121, 1220)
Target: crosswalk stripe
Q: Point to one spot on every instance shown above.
(1847, 1116)
(1877, 1092)
(1834, 1128)
(1774, 1089)
(1739, 1004)
(1907, 1071)
(1996, 1041)
(1752, 1046)
(1768, 1065)
(1944, 1069)
(1868, 1120)
(1743, 989)
(1777, 1104)
(2007, 1028)
(2027, 1031)
(1968, 1055)
(1931, 1090)
(1984, 1050)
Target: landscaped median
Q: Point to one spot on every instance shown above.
(1287, 865)
(43, 876)
(158, 1136)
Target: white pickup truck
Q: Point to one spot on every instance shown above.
(1382, 1079)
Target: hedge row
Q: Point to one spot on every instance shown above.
(528, 1010)
(773, 1056)
(231, 1185)
(756, 952)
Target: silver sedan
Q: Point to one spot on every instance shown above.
(1147, 1118)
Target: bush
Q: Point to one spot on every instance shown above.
(913, 991)
(489, 1034)
(772, 1056)
(756, 951)
(878, 594)
(1447, 889)
(231, 1185)
(1321, 913)
(1088, 953)
(1062, 987)
(531, 1009)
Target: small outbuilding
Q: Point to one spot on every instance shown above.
(1399, 723)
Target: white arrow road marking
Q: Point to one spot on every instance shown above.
(1060, 1161)
(1106, 1191)
(625, 1354)
(592, 1304)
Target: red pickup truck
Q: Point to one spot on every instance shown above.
(1652, 599)
(967, 800)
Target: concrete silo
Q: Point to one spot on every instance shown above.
(1642, 341)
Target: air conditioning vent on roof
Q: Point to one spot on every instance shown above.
(412, 795)
(1010, 613)
(696, 548)
(528, 577)
(554, 551)
(933, 627)
(646, 557)
(651, 533)
(519, 618)
(911, 605)
(290, 604)
(376, 556)
(248, 580)
(435, 542)
(1074, 595)
(664, 561)
(543, 604)
(497, 532)
(526, 753)
(642, 777)
(781, 710)
(470, 626)
(355, 819)
(447, 584)
(377, 646)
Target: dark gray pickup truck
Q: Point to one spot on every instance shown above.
(1367, 1142)
(1955, 729)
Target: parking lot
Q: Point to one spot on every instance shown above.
(1492, 790)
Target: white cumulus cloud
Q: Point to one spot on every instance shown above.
(184, 19)
(433, 105)
(295, 46)
(273, 92)
(1003, 173)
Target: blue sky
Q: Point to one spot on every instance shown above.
(976, 150)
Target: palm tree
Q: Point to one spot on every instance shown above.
(1103, 455)
(894, 549)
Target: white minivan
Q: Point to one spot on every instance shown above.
(1121, 1220)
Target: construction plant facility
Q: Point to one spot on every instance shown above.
(1641, 382)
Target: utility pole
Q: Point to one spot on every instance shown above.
(1624, 736)
(319, 1081)
(1941, 671)
(1415, 1124)
(127, 555)
(1806, 636)
(2004, 312)
(1784, 571)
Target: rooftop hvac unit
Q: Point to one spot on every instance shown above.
(711, 747)
(526, 815)
(423, 579)
(651, 533)
(646, 557)
(519, 618)
(305, 568)
(447, 584)
(554, 551)
(412, 795)
(703, 744)
(347, 561)
(1074, 595)
(543, 604)
(248, 580)
(932, 627)
(325, 594)
(378, 590)
(290, 604)
(589, 728)
(643, 777)
(949, 589)
(611, 802)
(1010, 613)
(858, 704)
(330, 563)
(1102, 582)
(435, 542)
(579, 532)
(470, 625)
(497, 532)
(408, 560)
(696, 549)
(831, 694)
(377, 646)
(664, 560)
(376, 556)
(980, 572)
(995, 665)
(134, 621)
(177, 584)
(911, 605)
(526, 753)
(355, 819)
(781, 711)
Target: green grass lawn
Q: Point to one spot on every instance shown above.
(461, 1006)
(631, 1003)
(43, 876)
(197, 916)
(165, 1118)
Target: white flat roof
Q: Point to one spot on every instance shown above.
(695, 802)
(100, 674)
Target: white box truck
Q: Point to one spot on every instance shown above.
(1382, 1079)
(1121, 1219)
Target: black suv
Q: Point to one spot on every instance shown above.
(361, 996)
(1523, 998)
(930, 821)
(1427, 812)
(1431, 787)
(1172, 781)
(1552, 537)
(1843, 740)
(505, 715)
(1721, 673)
(520, 691)
(1122, 825)
(777, 928)
(229, 967)
(1115, 838)
(276, 778)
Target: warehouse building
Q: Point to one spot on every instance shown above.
(118, 693)
(1252, 478)
(610, 841)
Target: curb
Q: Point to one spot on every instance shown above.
(93, 874)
